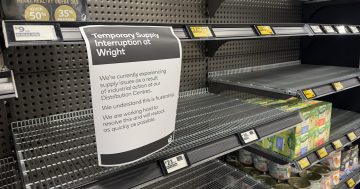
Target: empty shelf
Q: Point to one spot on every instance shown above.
(213, 174)
(290, 79)
(60, 150)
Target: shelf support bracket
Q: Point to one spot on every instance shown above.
(213, 46)
(213, 6)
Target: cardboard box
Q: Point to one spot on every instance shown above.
(313, 132)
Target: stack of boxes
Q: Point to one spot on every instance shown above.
(313, 132)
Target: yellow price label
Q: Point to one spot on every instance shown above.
(304, 163)
(265, 30)
(322, 153)
(201, 31)
(350, 183)
(337, 144)
(338, 86)
(309, 93)
(352, 136)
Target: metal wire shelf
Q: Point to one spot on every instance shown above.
(9, 177)
(60, 152)
(213, 174)
(289, 79)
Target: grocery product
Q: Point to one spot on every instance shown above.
(313, 178)
(245, 157)
(299, 183)
(266, 143)
(345, 163)
(266, 179)
(325, 172)
(283, 186)
(280, 172)
(335, 178)
(251, 171)
(333, 161)
(260, 163)
(354, 157)
(313, 132)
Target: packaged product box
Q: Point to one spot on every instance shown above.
(314, 131)
(345, 163)
(267, 143)
(291, 144)
(44, 10)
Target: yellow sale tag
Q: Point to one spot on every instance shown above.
(309, 93)
(350, 183)
(352, 136)
(337, 144)
(304, 163)
(201, 31)
(322, 153)
(338, 86)
(265, 30)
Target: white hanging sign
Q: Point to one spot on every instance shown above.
(135, 77)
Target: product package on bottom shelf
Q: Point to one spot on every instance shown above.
(327, 174)
(313, 132)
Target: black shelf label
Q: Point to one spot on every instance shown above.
(248, 136)
(174, 164)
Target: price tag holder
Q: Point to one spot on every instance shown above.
(351, 136)
(316, 29)
(329, 29)
(304, 163)
(354, 29)
(350, 183)
(309, 93)
(264, 30)
(174, 164)
(322, 153)
(341, 29)
(337, 144)
(35, 33)
(199, 32)
(248, 136)
(338, 86)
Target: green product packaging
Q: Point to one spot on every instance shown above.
(305, 136)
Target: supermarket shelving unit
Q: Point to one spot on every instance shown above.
(344, 125)
(60, 150)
